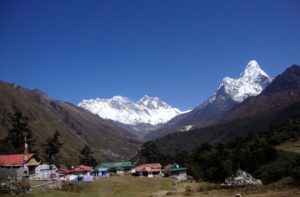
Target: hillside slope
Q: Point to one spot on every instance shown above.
(252, 81)
(275, 105)
(282, 91)
(78, 127)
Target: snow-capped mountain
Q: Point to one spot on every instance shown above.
(147, 110)
(252, 81)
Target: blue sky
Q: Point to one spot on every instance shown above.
(176, 50)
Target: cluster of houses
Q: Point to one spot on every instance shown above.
(14, 164)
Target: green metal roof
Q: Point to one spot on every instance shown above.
(115, 165)
(175, 167)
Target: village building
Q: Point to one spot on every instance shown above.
(81, 173)
(15, 162)
(174, 170)
(63, 172)
(79, 170)
(82, 169)
(148, 170)
(100, 171)
(46, 172)
(119, 168)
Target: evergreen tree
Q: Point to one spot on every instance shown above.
(87, 157)
(17, 133)
(150, 152)
(53, 146)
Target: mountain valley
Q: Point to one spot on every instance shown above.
(114, 127)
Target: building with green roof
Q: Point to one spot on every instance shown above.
(117, 167)
(174, 170)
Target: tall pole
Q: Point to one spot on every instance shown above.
(25, 179)
(26, 171)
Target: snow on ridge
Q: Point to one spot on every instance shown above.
(253, 80)
(150, 110)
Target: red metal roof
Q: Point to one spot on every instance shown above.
(168, 166)
(79, 169)
(152, 167)
(63, 171)
(84, 168)
(13, 160)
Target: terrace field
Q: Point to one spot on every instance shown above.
(128, 186)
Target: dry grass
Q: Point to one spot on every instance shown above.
(161, 187)
(290, 146)
(126, 186)
(204, 189)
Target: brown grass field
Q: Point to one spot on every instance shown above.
(290, 146)
(128, 186)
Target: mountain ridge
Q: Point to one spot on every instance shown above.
(277, 103)
(148, 110)
(230, 93)
(138, 117)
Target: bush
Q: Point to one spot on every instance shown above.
(279, 168)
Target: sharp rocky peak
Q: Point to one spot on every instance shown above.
(252, 81)
(253, 69)
(148, 98)
(151, 102)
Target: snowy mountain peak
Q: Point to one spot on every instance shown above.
(146, 99)
(120, 98)
(148, 110)
(251, 83)
(253, 69)
(153, 102)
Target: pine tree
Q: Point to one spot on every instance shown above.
(87, 157)
(52, 147)
(17, 133)
(150, 152)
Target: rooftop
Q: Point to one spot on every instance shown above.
(14, 159)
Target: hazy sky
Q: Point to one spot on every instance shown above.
(176, 50)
